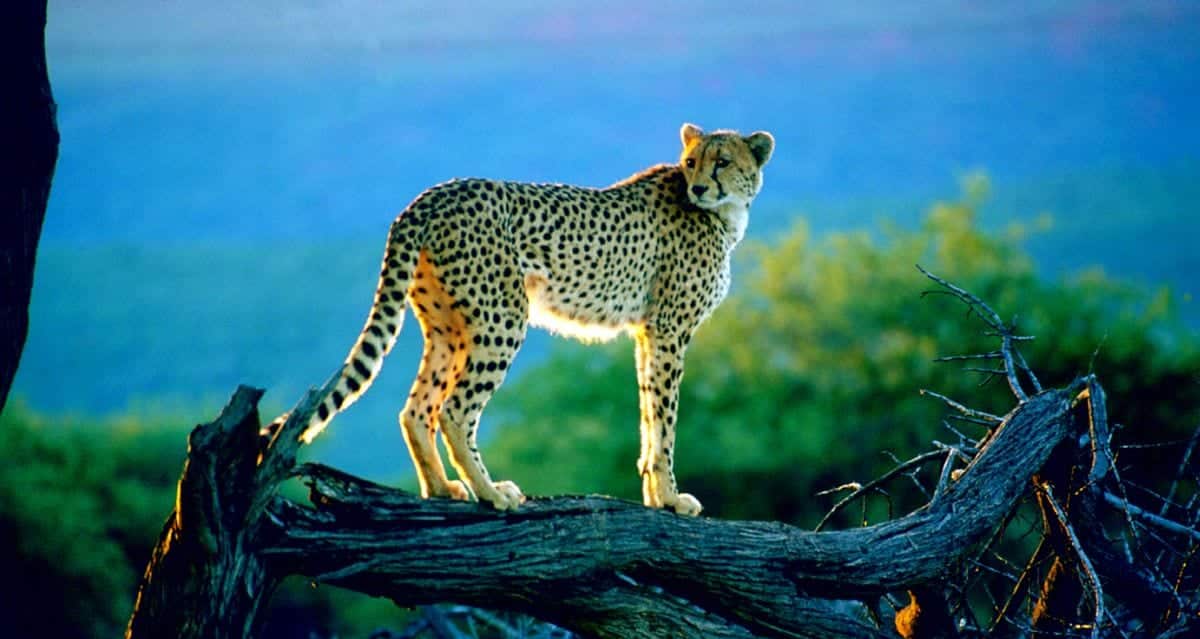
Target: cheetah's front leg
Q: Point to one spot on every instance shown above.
(659, 372)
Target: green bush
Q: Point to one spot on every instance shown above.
(811, 369)
(81, 505)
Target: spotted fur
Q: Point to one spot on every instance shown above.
(479, 260)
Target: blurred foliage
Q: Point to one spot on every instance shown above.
(811, 369)
(81, 505)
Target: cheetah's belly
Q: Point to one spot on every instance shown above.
(586, 315)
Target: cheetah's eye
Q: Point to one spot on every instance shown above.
(690, 162)
(722, 163)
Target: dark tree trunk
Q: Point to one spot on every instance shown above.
(28, 152)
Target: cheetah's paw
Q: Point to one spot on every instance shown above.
(508, 496)
(685, 504)
(457, 491)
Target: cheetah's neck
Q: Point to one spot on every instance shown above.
(736, 217)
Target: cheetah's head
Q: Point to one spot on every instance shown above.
(722, 167)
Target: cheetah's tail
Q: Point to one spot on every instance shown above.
(382, 327)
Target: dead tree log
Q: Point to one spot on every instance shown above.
(598, 566)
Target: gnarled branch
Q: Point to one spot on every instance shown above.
(596, 565)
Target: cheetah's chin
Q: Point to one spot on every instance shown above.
(726, 202)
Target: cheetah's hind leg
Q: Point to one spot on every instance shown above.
(419, 418)
(482, 354)
(485, 365)
(444, 332)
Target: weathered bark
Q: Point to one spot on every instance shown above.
(596, 565)
(204, 578)
(28, 153)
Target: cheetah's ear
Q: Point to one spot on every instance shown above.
(761, 145)
(689, 132)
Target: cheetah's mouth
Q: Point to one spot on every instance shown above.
(706, 201)
(710, 203)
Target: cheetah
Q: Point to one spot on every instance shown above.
(479, 260)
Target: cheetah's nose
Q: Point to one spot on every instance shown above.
(699, 190)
